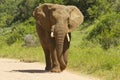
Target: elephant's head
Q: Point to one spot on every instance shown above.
(59, 20)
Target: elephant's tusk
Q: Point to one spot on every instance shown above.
(52, 34)
(68, 37)
(52, 31)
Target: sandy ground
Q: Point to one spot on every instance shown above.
(16, 70)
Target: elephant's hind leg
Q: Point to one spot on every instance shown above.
(47, 59)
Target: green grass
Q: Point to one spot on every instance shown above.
(22, 53)
(95, 61)
(88, 58)
(84, 57)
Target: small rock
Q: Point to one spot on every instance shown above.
(29, 41)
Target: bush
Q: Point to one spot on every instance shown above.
(18, 30)
(14, 35)
(106, 30)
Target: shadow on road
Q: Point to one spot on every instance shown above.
(30, 71)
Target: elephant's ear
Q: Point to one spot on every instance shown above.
(75, 18)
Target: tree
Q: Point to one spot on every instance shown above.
(7, 11)
(24, 10)
(116, 6)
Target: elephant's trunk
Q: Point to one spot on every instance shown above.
(60, 36)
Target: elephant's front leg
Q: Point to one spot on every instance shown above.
(43, 37)
(55, 63)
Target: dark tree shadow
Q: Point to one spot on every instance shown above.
(30, 71)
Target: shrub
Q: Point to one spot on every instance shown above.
(18, 30)
(106, 30)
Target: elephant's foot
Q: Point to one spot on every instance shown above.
(62, 68)
(47, 68)
(56, 69)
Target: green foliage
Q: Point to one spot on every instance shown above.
(106, 30)
(116, 6)
(105, 6)
(7, 12)
(24, 10)
(12, 34)
(12, 38)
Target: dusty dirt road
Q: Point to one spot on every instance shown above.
(16, 70)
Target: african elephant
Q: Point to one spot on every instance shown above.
(54, 24)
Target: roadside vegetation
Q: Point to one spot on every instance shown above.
(95, 45)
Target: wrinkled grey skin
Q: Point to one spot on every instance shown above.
(54, 24)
